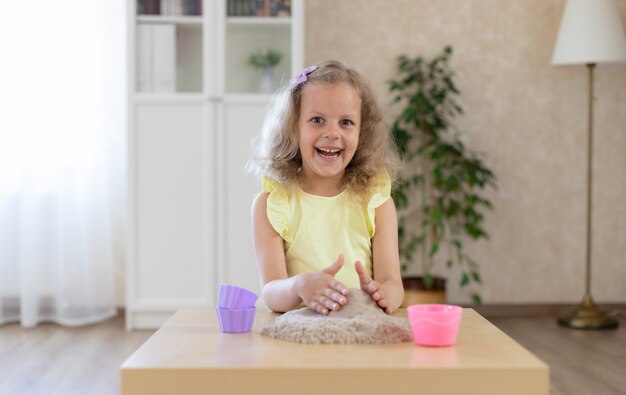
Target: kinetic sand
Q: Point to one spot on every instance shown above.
(359, 321)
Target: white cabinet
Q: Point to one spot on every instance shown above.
(193, 111)
(236, 263)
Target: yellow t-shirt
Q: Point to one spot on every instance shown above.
(316, 229)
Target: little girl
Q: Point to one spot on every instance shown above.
(325, 221)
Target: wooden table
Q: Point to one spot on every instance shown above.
(189, 355)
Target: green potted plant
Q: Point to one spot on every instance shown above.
(266, 61)
(440, 196)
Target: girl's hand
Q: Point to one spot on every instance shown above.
(320, 291)
(372, 287)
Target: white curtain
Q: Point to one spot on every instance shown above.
(62, 122)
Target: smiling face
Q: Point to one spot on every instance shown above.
(328, 133)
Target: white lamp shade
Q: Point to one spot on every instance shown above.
(591, 32)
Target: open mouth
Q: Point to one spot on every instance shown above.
(328, 153)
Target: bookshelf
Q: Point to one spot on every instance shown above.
(166, 19)
(170, 50)
(194, 106)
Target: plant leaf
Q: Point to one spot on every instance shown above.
(464, 279)
(433, 249)
(429, 280)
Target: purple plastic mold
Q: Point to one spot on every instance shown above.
(234, 297)
(236, 320)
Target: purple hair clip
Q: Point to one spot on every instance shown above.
(302, 77)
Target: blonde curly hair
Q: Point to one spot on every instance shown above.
(276, 153)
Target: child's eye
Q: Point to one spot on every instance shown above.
(317, 120)
(347, 122)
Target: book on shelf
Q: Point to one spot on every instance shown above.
(156, 58)
(263, 8)
(169, 7)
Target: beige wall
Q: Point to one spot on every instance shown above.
(528, 117)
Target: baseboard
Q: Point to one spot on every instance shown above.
(537, 310)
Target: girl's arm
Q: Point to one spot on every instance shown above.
(386, 286)
(281, 293)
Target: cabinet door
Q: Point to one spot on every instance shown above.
(242, 121)
(247, 36)
(259, 31)
(173, 177)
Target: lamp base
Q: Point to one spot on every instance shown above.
(588, 317)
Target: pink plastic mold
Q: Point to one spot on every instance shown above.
(434, 325)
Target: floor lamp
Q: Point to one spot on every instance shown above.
(591, 33)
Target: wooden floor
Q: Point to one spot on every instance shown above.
(581, 362)
(51, 359)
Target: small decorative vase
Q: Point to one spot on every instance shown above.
(267, 84)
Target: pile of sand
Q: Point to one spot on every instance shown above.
(359, 321)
